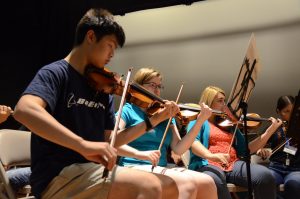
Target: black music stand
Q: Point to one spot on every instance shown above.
(293, 130)
(240, 93)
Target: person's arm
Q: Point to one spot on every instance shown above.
(200, 150)
(131, 133)
(128, 151)
(30, 111)
(178, 145)
(5, 112)
(264, 153)
(261, 140)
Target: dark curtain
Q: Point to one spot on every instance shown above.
(33, 33)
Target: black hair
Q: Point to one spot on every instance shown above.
(101, 21)
(284, 101)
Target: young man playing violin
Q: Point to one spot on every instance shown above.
(143, 152)
(213, 154)
(71, 124)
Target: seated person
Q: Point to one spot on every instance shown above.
(72, 121)
(19, 177)
(285, 167)
(213, 154)
(144, 151)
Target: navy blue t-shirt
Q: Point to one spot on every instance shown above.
(73, 103)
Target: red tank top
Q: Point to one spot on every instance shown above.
(219, 142)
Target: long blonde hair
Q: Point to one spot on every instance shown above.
(143, 75)
(209, 94)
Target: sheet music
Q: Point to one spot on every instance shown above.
(245, 82)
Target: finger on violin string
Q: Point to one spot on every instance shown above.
(168, 105)
(175, 108)
(272, 118)
(203, 105)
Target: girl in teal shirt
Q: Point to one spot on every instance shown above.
(143, 152)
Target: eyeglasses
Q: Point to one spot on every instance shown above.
(155, 86)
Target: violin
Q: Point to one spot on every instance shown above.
(190, 111)
(254, 121)
(103, 80)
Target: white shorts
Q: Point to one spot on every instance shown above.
(157, 169)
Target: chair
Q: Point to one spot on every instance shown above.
(14, 152)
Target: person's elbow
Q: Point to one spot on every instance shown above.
(194, 148)
(21, 109)
(25, 106)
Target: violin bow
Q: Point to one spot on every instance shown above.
(114, 133)
(168, 125)
(231, 142)
(233, 136)
(279, 146)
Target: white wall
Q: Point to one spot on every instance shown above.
(205, 43)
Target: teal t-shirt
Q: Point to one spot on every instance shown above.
(133, 115)
(203, 137)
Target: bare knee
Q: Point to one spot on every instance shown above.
(136, 185)
(169, 188)
(206, 185)
(145, 190)
(187, 186)
(150, 188)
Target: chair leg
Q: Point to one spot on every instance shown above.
(2, 192)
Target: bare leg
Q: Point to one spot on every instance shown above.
(170, 189)
(135, 184)
(205, 184)
(186, 184)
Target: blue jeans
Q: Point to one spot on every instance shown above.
(19, 177)
(263, 182)
(220, 180)
(290, 177)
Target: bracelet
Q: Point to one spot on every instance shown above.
(148, 124)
